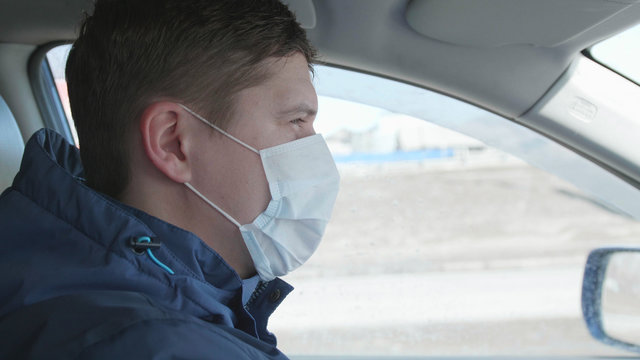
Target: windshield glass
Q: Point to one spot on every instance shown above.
(621, 53)
(454, 232)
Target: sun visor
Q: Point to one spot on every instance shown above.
(495, 23)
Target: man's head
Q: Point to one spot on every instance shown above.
(138, 73)
(130, 54)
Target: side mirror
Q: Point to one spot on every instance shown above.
(611, 296)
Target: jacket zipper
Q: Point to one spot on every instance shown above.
(262, 286)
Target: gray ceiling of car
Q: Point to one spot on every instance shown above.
(501, 54)
(40, 21)
(458, 56)
(495, 23)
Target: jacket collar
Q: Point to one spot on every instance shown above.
(49, 156)
(51, 175)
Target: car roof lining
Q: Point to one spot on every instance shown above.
(507, 79)
(37, 22)
(384, 37)
(495, 23)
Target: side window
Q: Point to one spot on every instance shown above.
(56, 60)
(444, 239)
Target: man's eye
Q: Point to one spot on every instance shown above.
(297, 122)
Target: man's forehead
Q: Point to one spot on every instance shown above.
(289, 67)
(288, 90)
(296, 97)
(299, 108)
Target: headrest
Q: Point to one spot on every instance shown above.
(11, 146)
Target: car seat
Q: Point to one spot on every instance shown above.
(11, 146)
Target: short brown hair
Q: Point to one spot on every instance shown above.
(199, 52)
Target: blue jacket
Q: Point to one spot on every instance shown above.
(72, 286)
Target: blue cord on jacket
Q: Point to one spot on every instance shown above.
(146, 239)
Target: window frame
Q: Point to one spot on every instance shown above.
(46, 93)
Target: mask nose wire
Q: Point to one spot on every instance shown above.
(220, 130)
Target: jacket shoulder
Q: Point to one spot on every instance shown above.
(178, 338)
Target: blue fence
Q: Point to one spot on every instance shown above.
(395, 156)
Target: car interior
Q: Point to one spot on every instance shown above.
(528, 62)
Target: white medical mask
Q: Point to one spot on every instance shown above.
(303, 182)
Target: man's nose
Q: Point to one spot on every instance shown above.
(312, 130)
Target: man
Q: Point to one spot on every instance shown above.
(201, 181)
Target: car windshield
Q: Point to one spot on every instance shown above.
(449, 230)
(621, 53)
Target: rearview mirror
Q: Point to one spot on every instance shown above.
(611, 296)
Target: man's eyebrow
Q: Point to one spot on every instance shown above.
(300, 108)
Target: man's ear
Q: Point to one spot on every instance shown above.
(165, 139)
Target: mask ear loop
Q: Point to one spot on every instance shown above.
(220, 129)
(230, 137)
(212, 204)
